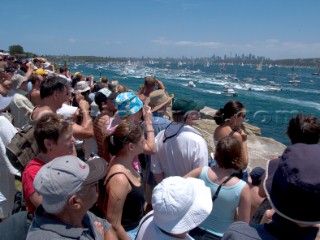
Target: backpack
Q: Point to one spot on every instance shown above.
(22, 148)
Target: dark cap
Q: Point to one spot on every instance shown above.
(10, 69)
(256, 175)
(184, 105)
(292, 183)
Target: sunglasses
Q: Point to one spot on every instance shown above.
(243, 115)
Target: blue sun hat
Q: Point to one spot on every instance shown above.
(128, 104)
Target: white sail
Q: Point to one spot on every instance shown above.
(259, 67)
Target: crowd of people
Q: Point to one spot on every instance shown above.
(120, 163)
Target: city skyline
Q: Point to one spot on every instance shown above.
(163, 28)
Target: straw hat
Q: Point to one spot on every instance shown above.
(157, 99)
(82, 86)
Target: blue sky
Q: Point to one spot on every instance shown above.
(163, 28)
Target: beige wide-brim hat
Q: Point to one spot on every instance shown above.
(157, 99)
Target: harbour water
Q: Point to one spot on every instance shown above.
(271, 94)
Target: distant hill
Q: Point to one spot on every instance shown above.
(287, 62)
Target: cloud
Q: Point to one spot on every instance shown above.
(271, 41)
(163, 41)
(72, 40)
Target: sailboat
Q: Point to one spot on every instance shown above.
(191, 84)
(259, 66)
(294, 78)
(317, 73)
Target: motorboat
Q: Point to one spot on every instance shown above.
(191, 84)
(273, 88)
(294, 81)
(229, 91)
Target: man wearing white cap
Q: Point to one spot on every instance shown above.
(21, 107)
(68, 187)
(180, 204)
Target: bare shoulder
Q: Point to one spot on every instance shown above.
(195, 173)
(245, 190)
(40, 112)
(118, 183)
(221, 132)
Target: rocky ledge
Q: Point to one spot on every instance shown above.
(260, 149)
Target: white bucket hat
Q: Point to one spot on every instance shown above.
(181, 204)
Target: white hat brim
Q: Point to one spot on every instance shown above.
(197, 213)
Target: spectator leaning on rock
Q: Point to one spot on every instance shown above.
(230, 119)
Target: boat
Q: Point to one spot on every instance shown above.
(229, 91)
(294, 81)
(191, 84)
(317, 73)
(294, 77)
(273, 88)
(259, 66)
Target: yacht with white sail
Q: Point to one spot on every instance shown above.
(191, 84)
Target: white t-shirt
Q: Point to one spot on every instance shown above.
(7, 171)
(180, 154)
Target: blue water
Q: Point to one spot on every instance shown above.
(267, 108)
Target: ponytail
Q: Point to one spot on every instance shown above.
(219, 117)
